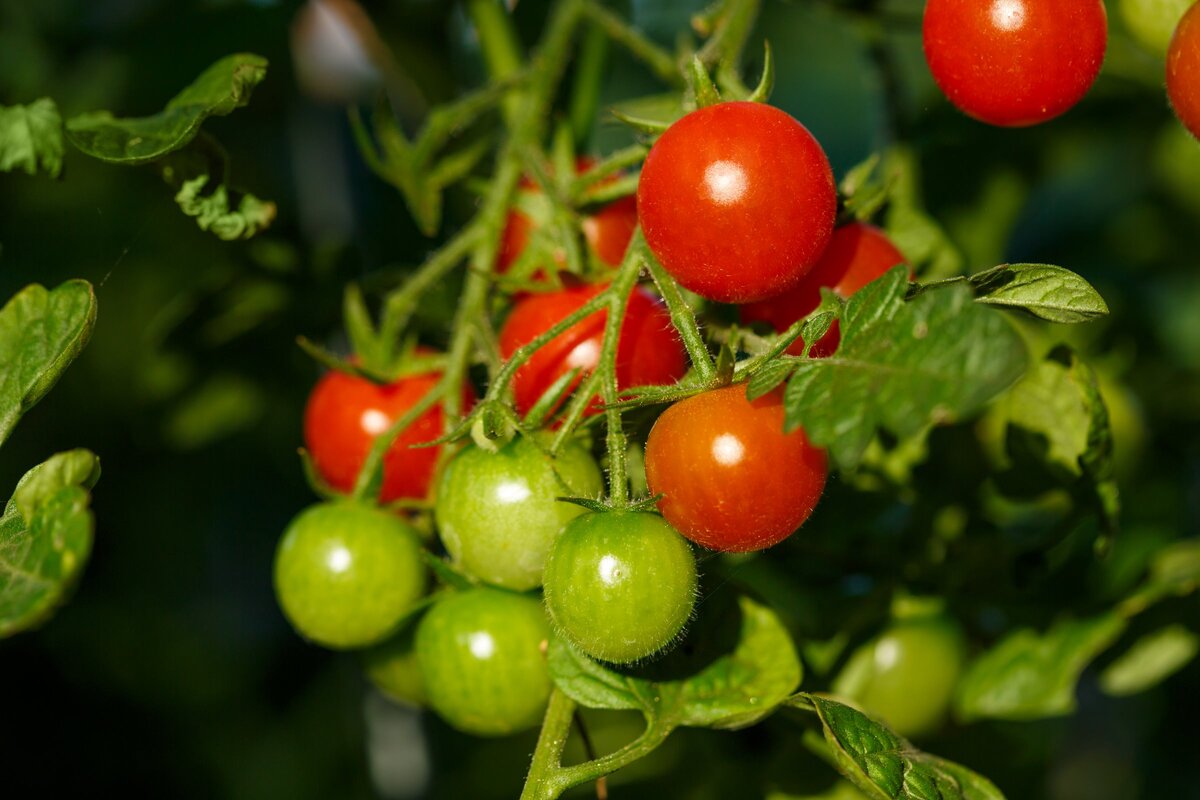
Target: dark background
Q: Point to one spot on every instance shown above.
(172, 673)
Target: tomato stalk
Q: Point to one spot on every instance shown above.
(659, 60)
(682, 317)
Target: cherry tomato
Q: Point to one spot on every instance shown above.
(857, 254)
(607, 230)
(620, 585)
(737, 201)
(649, 350)
(1183, 71)
(498, 515)
(907, 675)
(344, 415)
(731, 479)
(346, 574)
(1015, 62)
(392, 666)
(481, 657)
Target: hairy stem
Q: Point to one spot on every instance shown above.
(682, 317)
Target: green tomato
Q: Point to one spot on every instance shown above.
(620, 585)
(481, 657)
(1153, 22)
(497, 513)
(392, 666)
(907, 675)
(346, 574)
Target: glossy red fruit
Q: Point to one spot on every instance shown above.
(1015, 62)
(1183, 70)
(737, 201)
(607, 230)
(344, 415)
(649, 351)
(731, 479)
(858, 254)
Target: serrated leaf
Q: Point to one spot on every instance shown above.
(1045, 291)
(1150, 661)
(31, 138)
(42, 554)
(886, 767)
(227, 214)
(902, 366)
(41, 333)
(1031, 675)
(768, 377)
(219, 90)
(735, 690)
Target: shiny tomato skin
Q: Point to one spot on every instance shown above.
(607, 230)
(1015, 63)
(344, 415)
(737, 201)
(731, 479)
(649, 351)
(857, 254)
(1183, 70)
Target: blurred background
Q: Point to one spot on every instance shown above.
(172, 673)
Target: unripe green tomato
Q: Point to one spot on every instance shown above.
(346, 573)
(392, 666)
(1152, 22)
(482, 660)
(497, 513)
(907, 675)
(620, 585)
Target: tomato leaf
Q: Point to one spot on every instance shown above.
(1031, 675)
(228, 214)
(886, 767)
(31, 138)
(1045, 291)
(1150, 661)
(902, 366)
(45, 539)
(734, 690)
(218, 91)
(41, 333)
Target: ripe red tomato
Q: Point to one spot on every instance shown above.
(344, 415)
(737, 201)
(649, 351)
(1015, 62)
(1183, 70)
(607, 231)
(731, 479)
(857, 254)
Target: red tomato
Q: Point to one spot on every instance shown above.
(1183, 70)
(857, 254)
(737, 201)
(731, 479)
(1015, 62)
(649, 351)
(607, 231)
(344, 415)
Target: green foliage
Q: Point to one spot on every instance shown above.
(215, 210)
(1151, 660)
(31, 138)
(41, 333)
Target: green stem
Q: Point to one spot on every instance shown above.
(660, 61)
(373, 463)
(585, 91)
(611, 165)
(619, 291)
(682, 317)
(501, 49)
(654, 735)
(542, 782)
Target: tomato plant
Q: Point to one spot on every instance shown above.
(620, 585)
(730, 478)
(649, 351)
(344, 415)
(857, 254)
(737, 201)
(1183, 71)
(1015, 62)
(346, 574)
(480, 655)
(498, 514)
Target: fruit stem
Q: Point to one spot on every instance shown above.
(618, 298)
(660, 61)
(543, 781)
(585, 89)
(501, 48)
(682, 317)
